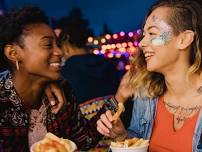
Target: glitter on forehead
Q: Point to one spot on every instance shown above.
(165, 31)
(161, 24)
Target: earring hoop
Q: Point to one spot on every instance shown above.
(17, 65)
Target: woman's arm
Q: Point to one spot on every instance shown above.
(55, 96)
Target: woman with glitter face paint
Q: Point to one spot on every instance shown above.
(165, 81)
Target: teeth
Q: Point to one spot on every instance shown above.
(55, 64)
(148, 54)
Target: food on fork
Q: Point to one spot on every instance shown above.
(119, 111)
(52, 143)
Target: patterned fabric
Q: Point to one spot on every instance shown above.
(68, 123)
(90, 108)
(37, 124)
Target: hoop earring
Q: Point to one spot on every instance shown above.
(17, 65)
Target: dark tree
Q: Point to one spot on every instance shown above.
(106, 29)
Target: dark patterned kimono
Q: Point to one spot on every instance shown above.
(68, 123)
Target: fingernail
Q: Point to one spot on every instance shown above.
(52, 103)
(54, 111)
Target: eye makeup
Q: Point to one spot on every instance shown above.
(165, 32)
(162, 39)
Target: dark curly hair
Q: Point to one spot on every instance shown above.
(12, 25)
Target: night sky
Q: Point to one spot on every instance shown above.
(120, 15)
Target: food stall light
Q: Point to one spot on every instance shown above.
(103, 40)
(127, 67)
(96, 52)
(130, 34)
(108, 36)
(122, 33)
(115, 36)
(110, 55)
(95, 42)
(90, 39)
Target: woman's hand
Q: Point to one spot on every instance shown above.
(55, 96)
(125, 90)
(114, 129)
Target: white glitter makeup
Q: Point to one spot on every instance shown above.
(162, 39)
(166, 32)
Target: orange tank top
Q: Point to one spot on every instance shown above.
(164, 138)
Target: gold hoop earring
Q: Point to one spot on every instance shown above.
(17, 65)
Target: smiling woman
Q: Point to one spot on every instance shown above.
(29, 51)
(165, 81)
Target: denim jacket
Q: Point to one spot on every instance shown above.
(143, 116)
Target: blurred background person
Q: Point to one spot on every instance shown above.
(91, 76)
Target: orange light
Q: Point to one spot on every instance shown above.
(90, 39)
(110, 55)
(127, 67)
(130, 44)
(115, 36)
(103, 40)
(118, 45)
(108, 36)
(95, 42)
(102, 51)
(118, 55)
(124, 44)
(96, 52)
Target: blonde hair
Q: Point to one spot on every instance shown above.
(184, 15)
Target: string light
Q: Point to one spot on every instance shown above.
(124, 44)
(139, 31)
(102, 51)
(103, 40)
(110, 55)
(136, 43)
(90, 39)
(96, 52)
(118, 55)
(115, 36)
(108, 36)
(122, 33)
(127, 67)
(95, 42)
(130, 34)
(116, 45)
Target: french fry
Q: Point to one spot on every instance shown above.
(117, 144)
(137, 143)
(119, 111)
(144, 142)
(53, 143)
(129, 142)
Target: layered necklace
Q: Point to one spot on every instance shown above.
(182, 113)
